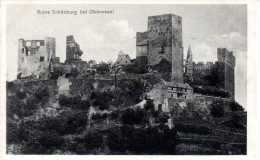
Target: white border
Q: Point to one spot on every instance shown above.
(251, 83)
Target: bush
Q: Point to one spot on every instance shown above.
(42, 142)
(217, 109)
(102, 68)
(66, 123)
(192, 128)
(134, 68)
(114, 115)
(149, 105)
(236, 106)
(116, 141)
(130, 116)
(163, 118)
(74, 102)
(99, 116)
(42, 92)
(102, 99)
(12, 135)
(64, 100)
(93, 141)
(133, 89)
(21, 94)
(142, 140)
(211, 91)
(236, 122)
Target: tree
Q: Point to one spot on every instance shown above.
(134, 68)
(103, 68)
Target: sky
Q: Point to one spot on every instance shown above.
(102, 36)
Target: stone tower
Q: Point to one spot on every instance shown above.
(189, 66)
(73, 51)
(226, 64)
(162, 40)
(142, 48)
(34, 57)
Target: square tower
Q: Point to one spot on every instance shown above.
(227, 62)
(165, 42)
(34, 57)
(162, 40)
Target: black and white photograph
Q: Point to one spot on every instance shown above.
(126, 79)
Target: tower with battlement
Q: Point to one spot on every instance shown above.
(162, 40)
(219, 74)
(227, 62)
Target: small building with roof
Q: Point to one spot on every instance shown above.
(122, 59)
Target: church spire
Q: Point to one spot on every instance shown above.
(189, 65)
(189, 54)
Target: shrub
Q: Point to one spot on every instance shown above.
(149, 105)
(236, 106)
(211, 90)
(102, 68)
(130, 116)
(134, 68)
(66, 123)
(12, 135)
(102, 99)
(42, 92)
(93, 141)
(152, 140)
(74, 102)
(114, 115)
(163, 118)
(42, 142)
(192, 128)
(21, 94)
(217, 109)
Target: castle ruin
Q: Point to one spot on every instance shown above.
(220, 74)
(34, 57)
(227, 60)
(73, 51)
(162, 40)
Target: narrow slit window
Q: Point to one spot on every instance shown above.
(41, 59)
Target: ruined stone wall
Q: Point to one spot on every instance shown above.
(73, 51)
(80, 86)
(220, 74)
(34, 57)
(203, 67)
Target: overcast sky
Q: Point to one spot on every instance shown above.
(102, 36)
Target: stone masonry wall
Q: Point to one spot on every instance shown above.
(34, 57)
